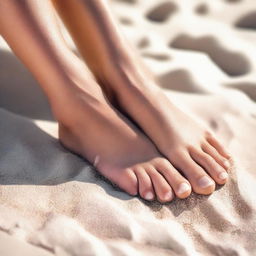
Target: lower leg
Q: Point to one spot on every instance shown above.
(34, 37)
(88, 125)
(190, 147)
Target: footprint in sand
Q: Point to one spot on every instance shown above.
(233, 1)
(143, 43)
(247, 21)
(181, 81)
(157, 56)
(231, 62)
(249, 88)
(161, 12)
(202, 9)
(127, 1)
(125, 21)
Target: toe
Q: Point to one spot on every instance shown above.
(198, 178)
(218, 146)
(217, 172)
(210, 150)
(178, 183)
(162, 188)
(146, 189)
(126, 180)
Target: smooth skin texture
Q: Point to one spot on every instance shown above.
(88, 124)
(191, 148)
(118, 149)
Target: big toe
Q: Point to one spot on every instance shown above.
(212, 167)
(196, 175)
(221, 160)
(217, 145)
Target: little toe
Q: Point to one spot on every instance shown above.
(178, 183)
(210, 150)
(218, 146)
(162, 189)
(198, 178)
(216, 171)
(146, 189)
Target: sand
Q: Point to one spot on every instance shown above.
(54, 203)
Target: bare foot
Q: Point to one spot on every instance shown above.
(90, 127)
(187, 145)
(190, 147)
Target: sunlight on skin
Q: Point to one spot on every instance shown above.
(151, 166)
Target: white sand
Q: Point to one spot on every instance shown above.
(53, 202)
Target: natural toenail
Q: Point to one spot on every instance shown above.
(184, 187)
(227, 164)
(168, 196)
(223, 176)
(149, 196)
(205, 182)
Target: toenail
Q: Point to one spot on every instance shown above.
(168, 196)
(226, 164)
(228, 155)
(223, 176)
(149, 196)
(184, 187)
(205, 182)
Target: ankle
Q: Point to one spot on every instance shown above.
(74, 93)
(127, 72)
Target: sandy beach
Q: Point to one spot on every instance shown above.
(52, 202)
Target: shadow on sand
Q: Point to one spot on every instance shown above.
(19, 91)
(36, 157)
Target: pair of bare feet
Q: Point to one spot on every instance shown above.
(132, 133)
(169, 155)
